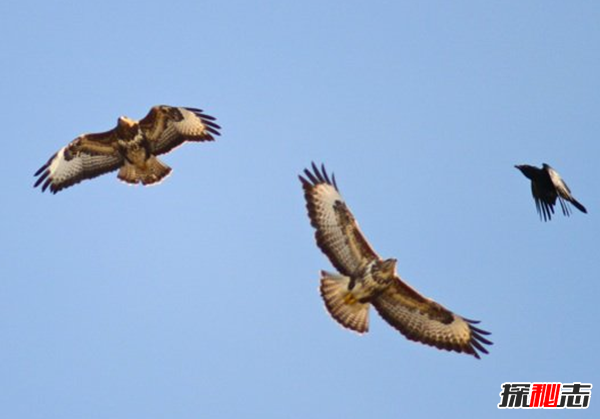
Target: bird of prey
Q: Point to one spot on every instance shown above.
(366, 279)
(546, 187)
(131, 147)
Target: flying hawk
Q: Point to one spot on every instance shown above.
(546, 186)
(367, 279)
(131, 147)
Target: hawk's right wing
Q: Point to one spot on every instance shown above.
(338, 234)
(86, 157)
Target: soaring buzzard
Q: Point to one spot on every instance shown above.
(546, 186)
(367, 279)
(131, 147)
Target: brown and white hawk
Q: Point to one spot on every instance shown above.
(366, 279)
(131, 147)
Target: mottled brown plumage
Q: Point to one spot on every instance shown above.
(131, 146)
(366, 279)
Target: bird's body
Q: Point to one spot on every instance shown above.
(547, 186)
(131, 147)
(366, 279)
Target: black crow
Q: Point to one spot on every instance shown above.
(546, 186)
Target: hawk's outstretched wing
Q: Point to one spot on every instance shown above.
(338, 234)
(423, 320)
(86, 157)
(167, 127)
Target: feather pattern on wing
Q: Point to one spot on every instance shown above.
(132, 147)
(423, 320)
(168, 127)
(86, 157)
(337, 232)
(367, 279)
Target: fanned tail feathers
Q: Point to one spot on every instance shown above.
(153, 172)
(341, 304)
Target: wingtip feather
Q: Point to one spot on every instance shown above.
(41, 169)
(212, 131)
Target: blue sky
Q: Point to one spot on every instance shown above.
(198, 297)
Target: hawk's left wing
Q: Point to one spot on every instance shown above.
(167, 127)
(423, 320)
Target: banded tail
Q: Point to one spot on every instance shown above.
(153, 172)
(341, 303)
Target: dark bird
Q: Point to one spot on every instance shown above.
(365, 278)
(131, 147)
(546, 187)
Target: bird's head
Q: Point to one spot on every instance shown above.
(125, 122)
(388, 267)
(126, 128)
(527, 170)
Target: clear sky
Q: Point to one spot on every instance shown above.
(198, 298)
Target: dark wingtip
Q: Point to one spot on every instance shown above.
(325, 175)
(207, 120)
(212, 124)
(480, 331)
(44, 172)
(201, 114)
(47, 183)
(195, 110)
(477, 339)
(42, 177)
(320, 175)
(212, 130)
(310, 177)
(315, 170)
(41, 169)
(478, 347)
